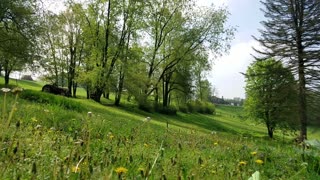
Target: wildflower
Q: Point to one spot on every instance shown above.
(121, 170)
(216, 144)
(141, 170)
(253, 153)
(242, 163)
(17, 90)
(75, 169)
(111, 136)
(148, 119)
(34, 119)
(5, 90)
(259, 161)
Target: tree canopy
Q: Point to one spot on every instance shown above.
(271, 95)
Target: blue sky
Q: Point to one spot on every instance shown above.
(245, 15)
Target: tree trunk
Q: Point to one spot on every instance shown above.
(270, 132)
(97, 95)
(88, 92)
(120, 87)
(6, 78)
(74, 88)
(302, 87)
(165, 93)
(302, 103)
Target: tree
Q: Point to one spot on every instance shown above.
(271, 94)
(18, 29)
(178, 30)
(291, 33)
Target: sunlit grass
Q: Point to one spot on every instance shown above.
(50, 141)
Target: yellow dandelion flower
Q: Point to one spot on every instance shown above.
(259, 161)
(111, 136)
(216, 144)
(242, 163)
(121, 170)
(141, 169)
(75, 169)
(253, 153)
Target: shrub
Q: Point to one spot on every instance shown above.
(191, 107)
(200, 107)
(46, 98)
(171, 110)
(146, 106)
(183, 108)
(209, 108)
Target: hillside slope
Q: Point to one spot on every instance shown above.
(49, 136)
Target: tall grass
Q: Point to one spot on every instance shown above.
(53, 137)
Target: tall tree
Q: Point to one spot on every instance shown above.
(175, 34)
(18, 29)
(271, 94)
(292, 33)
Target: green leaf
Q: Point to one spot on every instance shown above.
(255, 176)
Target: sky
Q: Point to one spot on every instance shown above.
(245, 16)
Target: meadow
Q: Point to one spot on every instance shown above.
(45, 136)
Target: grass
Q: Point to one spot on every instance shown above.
(54, 137)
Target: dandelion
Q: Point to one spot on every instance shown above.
(141, 170)
(216, 144)
(148, 119)
(5, 90)
(242, 163)
(259, 161)
(253, 153)
(17, 90)
(111, 136)
(121, 170)
(75, 169)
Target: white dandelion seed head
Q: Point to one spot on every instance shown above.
(5, 90)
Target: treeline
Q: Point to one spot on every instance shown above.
(155, 50)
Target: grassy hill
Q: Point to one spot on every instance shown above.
(54, 137)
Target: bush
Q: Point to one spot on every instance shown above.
(209, 108)
(146, 107)
(46, 98)
(171, 110)
(200, 107)
(183, 108)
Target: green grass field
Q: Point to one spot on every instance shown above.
(54, 137)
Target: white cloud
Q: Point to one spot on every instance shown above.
(225, 74)
(215, 2)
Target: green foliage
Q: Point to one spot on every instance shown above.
(200, 107)
(50, 99)
(271, 95)
(170, 110)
